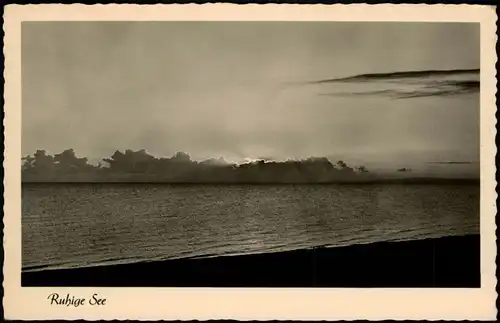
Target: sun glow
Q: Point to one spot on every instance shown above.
(249, 160)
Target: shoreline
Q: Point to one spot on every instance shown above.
(388, 181)
(452, 261)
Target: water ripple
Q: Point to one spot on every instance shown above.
(82, 225)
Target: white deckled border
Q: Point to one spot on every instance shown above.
(256, 303)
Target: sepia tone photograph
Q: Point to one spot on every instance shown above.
(250, 154)
(294, 154)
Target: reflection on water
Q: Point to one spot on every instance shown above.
(89, 224)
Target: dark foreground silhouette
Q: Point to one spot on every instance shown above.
(442, 262)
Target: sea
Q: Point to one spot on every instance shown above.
(80, 225)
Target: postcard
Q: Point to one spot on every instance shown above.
(250, 162)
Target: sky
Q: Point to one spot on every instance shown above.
(247, 90)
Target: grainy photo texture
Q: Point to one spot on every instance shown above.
(250, 154)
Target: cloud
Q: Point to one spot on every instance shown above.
(408, 84)
(398, 75)
(453, 163)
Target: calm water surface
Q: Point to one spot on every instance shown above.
(73, 225)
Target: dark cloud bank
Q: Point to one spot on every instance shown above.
(139, 166)
(425, 83)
